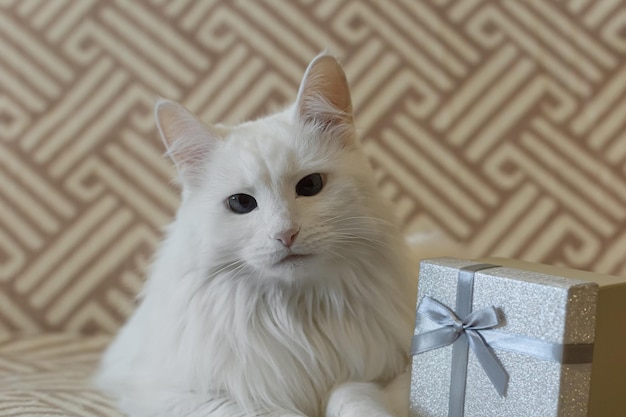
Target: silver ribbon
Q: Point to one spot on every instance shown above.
(455, 328)
(467, 329)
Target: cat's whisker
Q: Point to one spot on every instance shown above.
(361, 241)
(360, 235)
(225, 267)
(364, 218)
(223, 264)
(237, 272)
(330, 219)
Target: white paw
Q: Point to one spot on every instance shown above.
(356, 399)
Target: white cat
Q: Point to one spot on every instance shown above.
(283, 287)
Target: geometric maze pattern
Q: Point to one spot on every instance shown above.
(502, 124)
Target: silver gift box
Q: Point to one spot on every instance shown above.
(533, 305)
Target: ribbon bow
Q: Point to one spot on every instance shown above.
(455, 328)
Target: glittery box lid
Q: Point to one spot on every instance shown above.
(533, 304)
(543, 306)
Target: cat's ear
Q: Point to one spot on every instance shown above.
(187, 140)
(324, 97)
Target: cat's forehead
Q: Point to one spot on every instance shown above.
(269, 150)
(270, 140)
(263, 134)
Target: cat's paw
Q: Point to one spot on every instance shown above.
(357, 399)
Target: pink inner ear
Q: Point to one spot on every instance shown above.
(324, 95)
(187, 140)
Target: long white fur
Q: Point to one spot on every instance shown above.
(222, 330)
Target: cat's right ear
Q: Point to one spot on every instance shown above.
(187, 140)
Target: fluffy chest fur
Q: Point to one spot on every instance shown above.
(277, 345)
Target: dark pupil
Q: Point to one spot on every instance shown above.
(241, 203)
(309, 185)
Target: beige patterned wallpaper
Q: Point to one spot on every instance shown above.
(500, 123)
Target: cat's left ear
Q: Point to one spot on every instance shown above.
(324, 97)
(187, 140)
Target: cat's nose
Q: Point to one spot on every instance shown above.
(287, 237)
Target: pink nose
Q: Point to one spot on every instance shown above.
(287, 237)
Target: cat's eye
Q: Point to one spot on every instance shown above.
(310, 185)
(241, 203)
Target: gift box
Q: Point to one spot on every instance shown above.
(509, 338)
